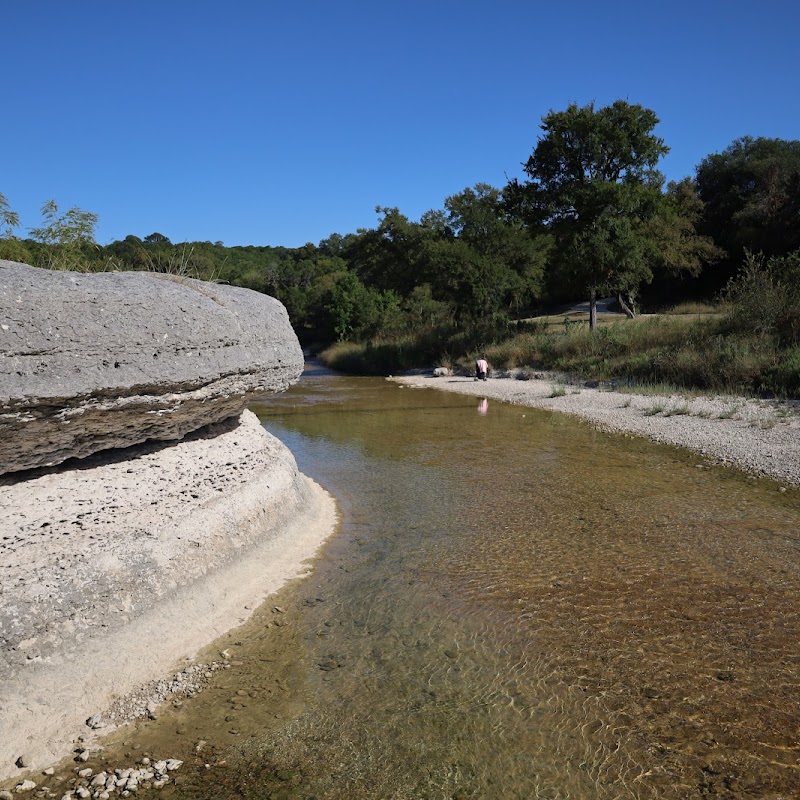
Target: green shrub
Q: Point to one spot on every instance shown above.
(766, 297)
(783, 377)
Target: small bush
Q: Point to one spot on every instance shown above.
(783, 377)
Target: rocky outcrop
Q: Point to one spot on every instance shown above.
(182, 514)
(94, 361)
(113, 573)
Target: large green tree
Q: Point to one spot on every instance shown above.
(751, 192)
(484, 263)
(677, 251)
(593, 182)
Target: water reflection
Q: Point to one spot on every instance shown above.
(483, 406)
(521, 608)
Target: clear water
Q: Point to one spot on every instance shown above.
(515, 606)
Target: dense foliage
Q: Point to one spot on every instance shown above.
(592, 216)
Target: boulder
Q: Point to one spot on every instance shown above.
(94, 361)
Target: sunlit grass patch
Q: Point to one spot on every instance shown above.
(678, 411)
(729, 413)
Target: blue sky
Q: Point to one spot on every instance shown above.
(280, 123)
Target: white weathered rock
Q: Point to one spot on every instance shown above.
(25, 786)
(94, 361)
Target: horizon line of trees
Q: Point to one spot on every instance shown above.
(593, 216)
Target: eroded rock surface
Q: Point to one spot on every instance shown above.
(94, 361)
(113, 572)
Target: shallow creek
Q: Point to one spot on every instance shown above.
(515, 606)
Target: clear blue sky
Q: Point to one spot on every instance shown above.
(281, 122)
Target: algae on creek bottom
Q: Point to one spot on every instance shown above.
(516, 606)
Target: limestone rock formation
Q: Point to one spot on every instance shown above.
(95, 361)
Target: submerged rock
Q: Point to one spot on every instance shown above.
(95, 361)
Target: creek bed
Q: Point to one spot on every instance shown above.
(515, 606)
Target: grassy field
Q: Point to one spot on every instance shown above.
(690, 348)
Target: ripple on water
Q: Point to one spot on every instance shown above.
(517, 606)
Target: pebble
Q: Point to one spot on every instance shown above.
(121, 781)
(144, 702)
(4, 795)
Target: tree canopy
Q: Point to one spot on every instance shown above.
(751, 197)
(591, 215)
(593, 183)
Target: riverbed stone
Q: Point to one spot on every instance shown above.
(96, 361)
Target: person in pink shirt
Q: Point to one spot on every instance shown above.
(481, 368)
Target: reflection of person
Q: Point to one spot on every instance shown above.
(481, 368)
(483, 407)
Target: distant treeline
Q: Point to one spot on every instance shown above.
(592, 216)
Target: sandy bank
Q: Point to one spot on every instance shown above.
(114, 571)
(761, 437)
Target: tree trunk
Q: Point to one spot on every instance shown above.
(630, 310)
(592, 309)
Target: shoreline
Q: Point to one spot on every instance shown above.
(116, 572)
(759, 437)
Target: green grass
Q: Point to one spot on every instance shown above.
(695, 350)
(678, 411)
(695, 308)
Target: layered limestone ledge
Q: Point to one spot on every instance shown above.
(96, 361)
(115, 571)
